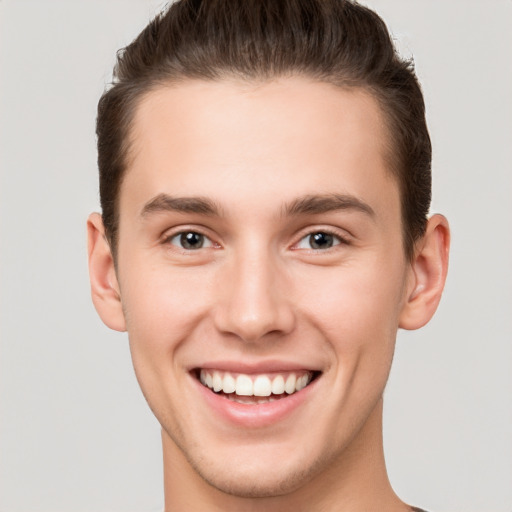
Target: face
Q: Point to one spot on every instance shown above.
(262, 274)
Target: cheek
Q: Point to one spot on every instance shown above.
(162, 307)
(357, 308)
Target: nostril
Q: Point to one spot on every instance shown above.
(257, 325)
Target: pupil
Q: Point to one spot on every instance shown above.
(191, 240)
(321, 241)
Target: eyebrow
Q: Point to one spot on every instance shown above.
(166, 203)
(305, 205)
(316, 204)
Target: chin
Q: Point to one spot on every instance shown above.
(248, 484)
(266, 477)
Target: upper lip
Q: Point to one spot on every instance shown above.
(269, 366)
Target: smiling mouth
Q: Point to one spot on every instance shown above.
(255, 389)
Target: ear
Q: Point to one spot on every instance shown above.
(105, 291)
(428, 274)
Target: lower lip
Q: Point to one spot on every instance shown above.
(255, 415)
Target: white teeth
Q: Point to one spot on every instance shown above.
(262, 386)
(228, 384)
(244, 385)
(248, 401)
(278, 385)
(301, 383)
(259, 385)
(289, 386)
(217, 381)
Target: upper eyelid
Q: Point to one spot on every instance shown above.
(341, 242)
(165, 240)
(342, 234)
(169, 233)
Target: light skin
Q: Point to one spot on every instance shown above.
(295, 263)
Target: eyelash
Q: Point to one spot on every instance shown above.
(341, 240)
(338, 240)
(184, 232)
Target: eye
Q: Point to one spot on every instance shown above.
(190, 240)
(319, 240)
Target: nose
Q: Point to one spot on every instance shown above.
(253, 302)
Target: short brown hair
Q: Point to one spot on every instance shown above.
(334, 41)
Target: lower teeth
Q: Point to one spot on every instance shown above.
(251, 400)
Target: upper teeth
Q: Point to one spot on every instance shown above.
(255, 385)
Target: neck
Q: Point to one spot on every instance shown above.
(354, 482)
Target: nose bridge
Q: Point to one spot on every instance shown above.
(253, 303)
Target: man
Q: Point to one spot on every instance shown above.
(265, 184)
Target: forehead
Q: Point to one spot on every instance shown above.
(238, 142)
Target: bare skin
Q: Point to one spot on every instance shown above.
(260, 235)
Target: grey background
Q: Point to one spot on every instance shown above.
(75, 432)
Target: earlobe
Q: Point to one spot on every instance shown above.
(105, 290)
(429, 269)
